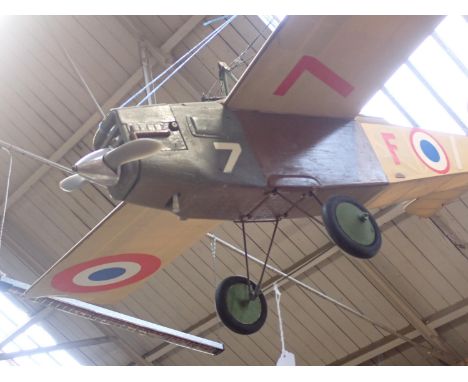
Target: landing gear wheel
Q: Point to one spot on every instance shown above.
(352, 227)
(236, 309)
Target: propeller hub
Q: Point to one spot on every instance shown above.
(103, 166)
(94, 168)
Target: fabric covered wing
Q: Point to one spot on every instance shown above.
(327, 65)
(428, 205)
(121, 252)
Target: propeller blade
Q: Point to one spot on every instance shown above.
(102, 166)
(72, 183)
(131, 151)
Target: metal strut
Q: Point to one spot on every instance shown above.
(254, 294)
(295, 205)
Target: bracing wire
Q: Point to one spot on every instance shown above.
(194, 52)
(181, 60)
(163, 73)
(91, 94)
(239, 59)
(5, 203)
(78, 73)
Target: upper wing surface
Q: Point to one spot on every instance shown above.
(327, 66)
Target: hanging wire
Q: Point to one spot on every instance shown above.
(5, 203)
(280, 320)
(165, 71)
(77, 71)
(213, 255)
(182, 60)
(216, 19)
(238, 61)
(213, 35)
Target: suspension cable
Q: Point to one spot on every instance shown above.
(77, 71)
(238, 60)
(200, 45)
(5, 203)
(213, 35)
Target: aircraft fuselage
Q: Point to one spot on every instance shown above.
(222, 164)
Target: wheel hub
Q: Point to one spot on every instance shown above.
(241, 306)
(355, 223)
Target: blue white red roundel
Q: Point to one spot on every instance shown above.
(106, 273)
(429, 151)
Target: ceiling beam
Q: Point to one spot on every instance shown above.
(164, 59)
(123, 345)
(388, 343)
(113, 101)
(43, 313)
(408, 312)
(181, 33)
(91, 123)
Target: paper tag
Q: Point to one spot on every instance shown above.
(286, 359)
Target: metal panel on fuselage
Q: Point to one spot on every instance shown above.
(217, 177)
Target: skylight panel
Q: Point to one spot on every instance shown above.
(381, 106)
(272, 20)
(12, 317)
(420, 103)
(444, 76)
(453, 31)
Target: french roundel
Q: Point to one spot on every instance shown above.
(106, 273)
(429, 151)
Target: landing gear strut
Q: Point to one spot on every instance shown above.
(352, 227)
(240, 303)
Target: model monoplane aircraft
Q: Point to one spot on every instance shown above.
(286, 142)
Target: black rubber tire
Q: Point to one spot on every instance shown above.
(226, 316)
(339, 236)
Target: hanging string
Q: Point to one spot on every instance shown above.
(5, 204)
(213, 255)
(198, 46)
(278, 298)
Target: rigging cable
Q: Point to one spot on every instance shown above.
(239, 60)
(167, 69)
(213, 35)
(77, 71)
(5, 204)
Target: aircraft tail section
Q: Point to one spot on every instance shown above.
(428, 167)
(428, 205)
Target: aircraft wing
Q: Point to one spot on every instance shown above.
(428, 205)
(327, 66)
(126, 248)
